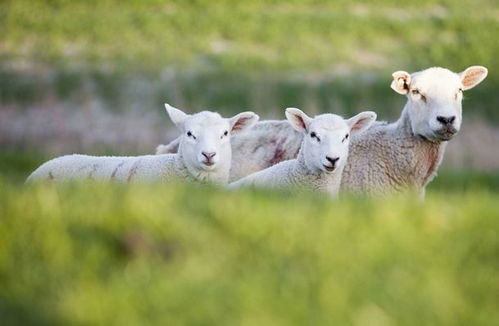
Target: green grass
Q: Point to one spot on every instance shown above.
(321, 55)
(242, 34)
(173, 254)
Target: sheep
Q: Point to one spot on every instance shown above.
(388, 157)
(322, 156)
(204, 154)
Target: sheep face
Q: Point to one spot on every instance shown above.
(434, 99)
(205, 140)
(327, 137)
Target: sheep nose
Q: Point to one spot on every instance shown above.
(446, 120)
(332, 160)
(209, 155)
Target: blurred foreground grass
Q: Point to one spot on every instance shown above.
(92, 254)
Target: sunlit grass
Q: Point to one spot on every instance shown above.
(190, 254)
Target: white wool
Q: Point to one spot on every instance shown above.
(387, 157)
(322, 155)
(204, 155)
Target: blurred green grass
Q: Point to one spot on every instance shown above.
(95, 254)
(245, 35)
(325, 56)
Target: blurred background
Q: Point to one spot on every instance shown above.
(91, 76)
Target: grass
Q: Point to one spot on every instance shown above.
(323, 56)
(94, 254)
(257, 34)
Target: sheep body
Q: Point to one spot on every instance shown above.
(322, 154)
(292, 174)
(204, 154)
(117, 168)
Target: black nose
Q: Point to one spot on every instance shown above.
(446, 120)
(332, 160)
(208, 156)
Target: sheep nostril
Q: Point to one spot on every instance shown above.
(209, 155)
(446, 120)
(332, 160)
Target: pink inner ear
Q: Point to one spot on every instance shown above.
(359, 124)
(240, 123)
(299, 122)
(471, 77)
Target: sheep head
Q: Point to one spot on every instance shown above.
(327, 137)
(434, 99)
(205, 141)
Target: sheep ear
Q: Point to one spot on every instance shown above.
(242, 121)
(401, 82)
(361, 121)
(298, 119)
(473, 76)
(177, 116)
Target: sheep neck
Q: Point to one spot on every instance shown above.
(428, 154)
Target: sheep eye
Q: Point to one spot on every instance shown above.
(226, 133)
(345, 138)
(416, 91)
(189, 134)
(460, 90)
(314, 135)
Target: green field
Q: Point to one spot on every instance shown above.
(184, 254)
(265, 55)
(171, 254)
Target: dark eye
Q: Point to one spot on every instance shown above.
(189, 134)
(345, 138)
(416, 91)
(226, 133)
(314, 135)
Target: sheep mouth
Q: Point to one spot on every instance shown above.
(329, 168)
(444, 134)
(208, 163)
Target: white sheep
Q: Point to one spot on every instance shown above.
(388, 156)
(204, 154)
(322, 156)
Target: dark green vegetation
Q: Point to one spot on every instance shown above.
(319, 55)
(187, 254)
